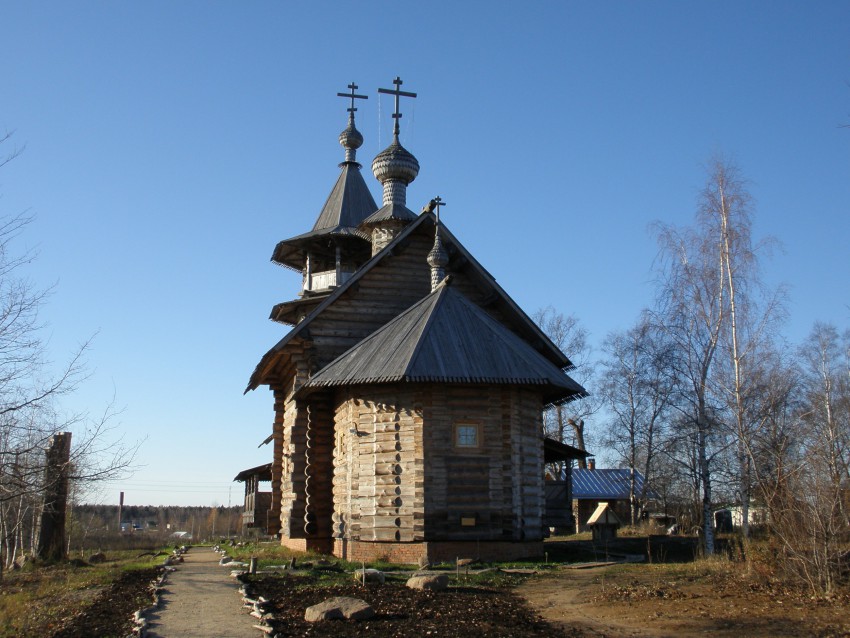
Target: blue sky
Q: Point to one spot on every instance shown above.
(171, 145)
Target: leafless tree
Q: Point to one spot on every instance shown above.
(637, 389)
(566, 423)
(694, 311)
(30, 403)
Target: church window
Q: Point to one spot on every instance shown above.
(466, 435)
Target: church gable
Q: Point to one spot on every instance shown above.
(392, 281)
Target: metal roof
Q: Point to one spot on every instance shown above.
(520, 321)
(446, 338)
(349, 203)
(605, 484)
(390, 211)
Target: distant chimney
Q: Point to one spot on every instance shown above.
(591, 463)
(120, 509)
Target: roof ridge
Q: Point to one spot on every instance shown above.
(253, 383)
(440, 294)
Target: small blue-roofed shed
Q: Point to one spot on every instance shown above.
(593, 486)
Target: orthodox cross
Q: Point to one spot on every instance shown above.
(438, 201)
(398, 93)
(353, 95)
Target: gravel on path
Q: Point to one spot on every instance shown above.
(202, 600)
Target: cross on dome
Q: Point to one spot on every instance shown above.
(350, 138)
(353, 96)
(397, 92)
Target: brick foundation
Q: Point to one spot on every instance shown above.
(436, 551)
(320, 545)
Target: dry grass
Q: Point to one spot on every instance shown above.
(35, 600)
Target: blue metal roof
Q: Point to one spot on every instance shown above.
(606, 484)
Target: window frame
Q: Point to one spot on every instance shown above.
(460, 426)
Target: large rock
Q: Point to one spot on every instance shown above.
(433, 582)
(338, 608)
(372, 576)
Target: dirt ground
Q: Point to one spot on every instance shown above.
(678, 598)
(643, 600)
(459, 612)
(668, 595)
(111, 612)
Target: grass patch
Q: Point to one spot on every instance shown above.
(37, 600)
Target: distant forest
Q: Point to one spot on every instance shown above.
(97, 526)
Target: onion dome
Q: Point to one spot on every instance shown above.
(438, 260)
(395, 163)
(395, 167)
(351, 139)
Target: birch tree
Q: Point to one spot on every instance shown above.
(692, 311)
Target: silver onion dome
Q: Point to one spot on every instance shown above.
(438, 258)
(395, 163)
(351, 139)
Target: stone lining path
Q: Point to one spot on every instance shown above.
(201, 599)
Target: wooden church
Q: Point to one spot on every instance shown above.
(408, 394)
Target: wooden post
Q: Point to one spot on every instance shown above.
(51, 538)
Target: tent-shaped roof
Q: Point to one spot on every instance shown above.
(349, 203)
(521, 322)
(446, 338)
(605, 484)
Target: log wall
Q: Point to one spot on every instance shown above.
(378, 492)
(400, 478)
(493, 491)
(378, 464)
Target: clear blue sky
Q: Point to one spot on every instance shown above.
(170, 145)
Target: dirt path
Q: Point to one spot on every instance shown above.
(560, 598)
(201, 600)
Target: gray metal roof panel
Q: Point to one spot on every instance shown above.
(348, 204)
(604, 484)
(445, 338)
(390, 211)
(527, 326)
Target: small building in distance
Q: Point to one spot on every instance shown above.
(593, 486)
(258, 514)
(409, 391)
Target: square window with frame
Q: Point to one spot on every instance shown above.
(467, 435)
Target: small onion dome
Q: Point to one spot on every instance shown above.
(351, 138)
(438, 258)
(395, 163)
